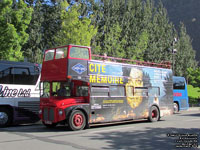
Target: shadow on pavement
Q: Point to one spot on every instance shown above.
(149, 139)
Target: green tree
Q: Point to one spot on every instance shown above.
(75, 29)
(185, 56)
(119, 33)
(32, 49)
(43, 27)
(14, 20)
(161, 35)
(194, 77)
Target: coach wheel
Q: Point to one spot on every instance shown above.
(154, 114)
(176, 109)
(53, 125)
(77, 120)
(5, 117)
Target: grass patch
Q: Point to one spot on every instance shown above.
(193, 94)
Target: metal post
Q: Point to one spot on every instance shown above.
(173, 53)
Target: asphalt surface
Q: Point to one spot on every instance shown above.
(177, 132)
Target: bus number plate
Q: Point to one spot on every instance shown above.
(47, 122)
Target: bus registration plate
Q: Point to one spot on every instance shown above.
(47, 122)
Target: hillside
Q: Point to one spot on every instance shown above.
(188, 12)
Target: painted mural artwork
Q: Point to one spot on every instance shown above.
(143, 86)
(135, 80)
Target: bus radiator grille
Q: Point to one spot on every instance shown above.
(48, 114)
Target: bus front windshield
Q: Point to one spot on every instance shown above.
(63, 89)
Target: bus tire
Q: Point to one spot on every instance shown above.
(5, 117)
(154, 114)
(176, 108)
(77, 120)
(53, 125)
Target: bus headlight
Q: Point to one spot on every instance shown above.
(60, 112)
(40, 111)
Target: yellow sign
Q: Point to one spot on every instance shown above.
(106, 79)
(113, 101)
(97, 68)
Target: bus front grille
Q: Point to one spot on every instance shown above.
(48, 114)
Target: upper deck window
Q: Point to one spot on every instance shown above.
(49, 55)
(61, 53)
(78, 52)
(15, 73)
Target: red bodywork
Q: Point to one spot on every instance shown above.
(56, 70)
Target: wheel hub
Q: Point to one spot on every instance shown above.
(3, 118)
(154, 114)
(78, 120)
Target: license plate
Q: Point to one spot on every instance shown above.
(47, 122)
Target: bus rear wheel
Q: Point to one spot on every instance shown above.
(77, 120)
(154, 114)
(5, 117)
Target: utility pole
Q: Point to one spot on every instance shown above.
(173, 53)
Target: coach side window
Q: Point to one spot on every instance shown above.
(116, 90)
(5, 74)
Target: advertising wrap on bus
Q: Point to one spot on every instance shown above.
(19, 92)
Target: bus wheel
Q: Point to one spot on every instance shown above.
(5, 117)
(176, 110)
(154, 114)
(77, 120)
(53, 125)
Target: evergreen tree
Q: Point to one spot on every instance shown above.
(161, 36)
(185, 56)
(14, 20)
(74, 29)
(44, 25)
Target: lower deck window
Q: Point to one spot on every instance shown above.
(97, 91)
(117, 91)
(82, 91)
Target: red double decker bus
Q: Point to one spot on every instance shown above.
(77, 91)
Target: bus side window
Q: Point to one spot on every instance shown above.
(141, 91)
(82, 91)
(49, 55)
(154, 91)
(116, 90)
(5, 74)
(61, 53)
(99, 91)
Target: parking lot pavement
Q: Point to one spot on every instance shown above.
(194, 109)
